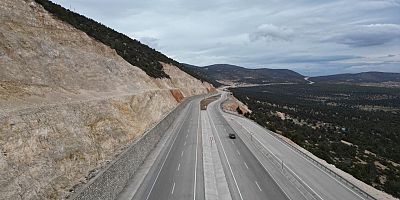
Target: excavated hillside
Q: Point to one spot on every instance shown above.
(68, 103)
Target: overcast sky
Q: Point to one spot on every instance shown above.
(311, 37)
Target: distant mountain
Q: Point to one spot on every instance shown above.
(200, 72)
(225, 73)
(359, 78)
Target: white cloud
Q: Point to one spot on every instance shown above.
(368, 35)
(259, 33)
(270, 32)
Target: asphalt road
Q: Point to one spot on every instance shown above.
(247, 179)
(179, 175)
(179, 172)
(321, 182)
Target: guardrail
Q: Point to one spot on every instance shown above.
(289, 171)
(326, 169)
(279, 164)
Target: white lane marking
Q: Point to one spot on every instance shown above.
(158, 174)
(182, 153)
(186, 135)
(267, 170)
(179, 166)
(232, 142)
(197, 144)
(286, 167)
(226, 157)
(184, 143)
(289, 147)
(238, 152)
(246, 165)
(173, 189)
(258, 186)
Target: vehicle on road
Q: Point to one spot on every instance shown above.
(232, 135)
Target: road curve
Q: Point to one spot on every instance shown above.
(322, 183)
(179, 174)
(247, 178)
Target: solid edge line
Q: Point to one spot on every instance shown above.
(197, 146)
(280, 187)
(281, 161)
(230, 168)
(291, 148)
(176, 136)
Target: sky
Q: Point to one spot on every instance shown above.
(312, 37)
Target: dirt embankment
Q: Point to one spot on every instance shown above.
(234, 105)
(69, 104)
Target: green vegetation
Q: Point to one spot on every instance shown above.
(201, 73)
(353, 127)
(132, 51)
(237, 74)
(364, 77)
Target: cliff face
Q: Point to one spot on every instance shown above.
(68, 103)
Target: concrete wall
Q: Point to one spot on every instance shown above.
(110, 182)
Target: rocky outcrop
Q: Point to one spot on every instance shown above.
(68, 103)
(233, 105)
(177, 94)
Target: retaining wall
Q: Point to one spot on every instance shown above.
(112, 180)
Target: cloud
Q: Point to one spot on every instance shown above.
(379, 4)
(270, 32)
(368, 35)
(320, 37)
(314, 58)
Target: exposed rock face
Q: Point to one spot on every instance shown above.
(232, 104)
(177, 94)
(69, 104)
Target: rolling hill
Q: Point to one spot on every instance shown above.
(359, 78)
(232, 74)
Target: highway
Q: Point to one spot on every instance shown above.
(247, 179)
(179, 175)
(324, 184)
(178, 172)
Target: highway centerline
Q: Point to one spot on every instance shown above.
(173, 189)
(246, 165)
(197, 146)
(258, 186)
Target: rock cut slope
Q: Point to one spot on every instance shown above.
(69, 103)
